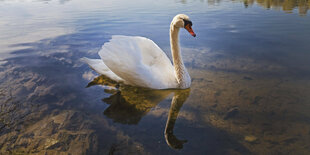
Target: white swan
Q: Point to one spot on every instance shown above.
(138, 61)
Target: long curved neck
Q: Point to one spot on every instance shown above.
(180, 70)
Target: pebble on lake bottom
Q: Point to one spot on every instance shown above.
(250, 138)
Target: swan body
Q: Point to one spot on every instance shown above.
(138, 61)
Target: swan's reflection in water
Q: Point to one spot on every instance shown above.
(179, 98)
(129, 104)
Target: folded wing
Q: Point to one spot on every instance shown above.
(138, 61)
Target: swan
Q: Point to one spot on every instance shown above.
(138, 61)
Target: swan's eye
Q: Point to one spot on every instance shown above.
(186, 22)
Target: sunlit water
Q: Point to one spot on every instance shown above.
(249, 65)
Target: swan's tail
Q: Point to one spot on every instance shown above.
(99, 66)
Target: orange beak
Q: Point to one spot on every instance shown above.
(190, 30)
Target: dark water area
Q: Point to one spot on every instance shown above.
(249, 65)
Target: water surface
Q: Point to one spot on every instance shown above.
(249, 65)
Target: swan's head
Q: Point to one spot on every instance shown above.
(183, 21)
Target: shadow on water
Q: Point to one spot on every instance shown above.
(128, 107)
(128, 104)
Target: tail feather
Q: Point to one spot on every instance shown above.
(99, 66)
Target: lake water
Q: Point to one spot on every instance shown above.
(249, 65)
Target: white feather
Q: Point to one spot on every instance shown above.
(101, 68)
(140, 62)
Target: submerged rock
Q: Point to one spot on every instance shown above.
(231, 113)
(250, 138)
(247, 78)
